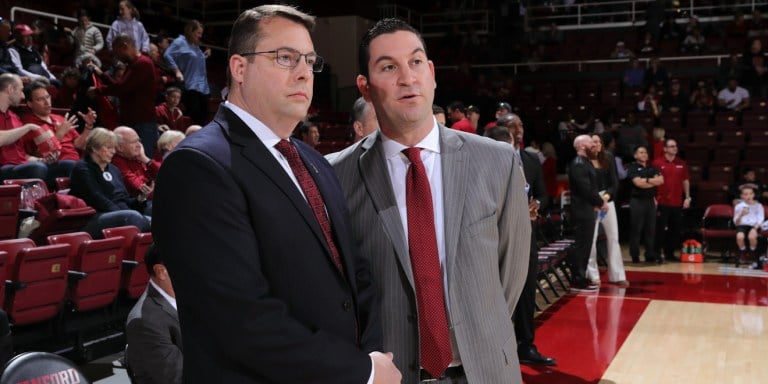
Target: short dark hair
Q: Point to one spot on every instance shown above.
(499, 133)
(152, 257)
(123, 39)
(637, 147)
(437, 109)
(506, 118)
(33, 86)
(458, 105)
(303, 128)
(358, 109)
(384, 26)
(246, 31)
(170, 90)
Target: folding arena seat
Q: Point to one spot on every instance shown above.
(726, 121)
(98, 264)
(62, 183)
(705, 137)
(734, 138)
(10, 199)
(717, 229)
(36, 280)
(722, 173)
(726, 155)
(695, 173)
(23, 182)
(135, 243)
(711, 192)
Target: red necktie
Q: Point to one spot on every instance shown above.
(312, 194)
(434, 341)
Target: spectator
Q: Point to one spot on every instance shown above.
(6, 61)
(473, 115)
(748, 176)
(650, 102)
(86, 36)
(642, 205)
(755, 66)
(669, 197)
(15, 162)
(138, 170)
(169, 115)
(439, 114)
(363, 119)
(152, 331)
(738, 27)
(57, 141)
(694, 42)
(127, 23)
(100, 184)
(457, 112)
(167, 142)
(757, 26)
(733, 97)
(65, 96)
(631, 135)
(732, 67)
(654, 16)
(187, 59)
(633, 74)
(659, 139)
(620, 51)
(308, 133)
(675, 100)
(747, 216)
(502, 109)
(163, 75)
(137, 107)
(27, 59)
(656, 75)
(703, 97)
(648, 45)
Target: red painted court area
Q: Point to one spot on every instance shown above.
(584, 332)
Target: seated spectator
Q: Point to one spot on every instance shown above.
(694, 42)
(748, 176)
(167, 142)
(65, 96)
(15, 162)
(188, 60)
(631, 135)
(738, 27)
(747, 217)
(729, 68)
(169, 115)
(58, 141)
(473, 115)
(100, 184)
(138, 170)
(633, 75)
(733, 97)
(703, 97)
(308, 133)
(650, 102)
(27, 59)
(647, 47)
(656, 75)
(457, 113)
(675, 100)
(755, 65)
(192, 129)
(439, 114)
(152, 331)
(86, 36)
(6, 62)
(620, 51)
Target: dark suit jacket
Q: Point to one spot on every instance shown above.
(154, 353)
(534, 176)
(584, 193)
(260, 300)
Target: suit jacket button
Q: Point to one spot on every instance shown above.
(347, 305)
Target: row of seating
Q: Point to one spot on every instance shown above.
(719, 233)
(73, 270)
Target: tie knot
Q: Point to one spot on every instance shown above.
(413, 154)
(285, 147)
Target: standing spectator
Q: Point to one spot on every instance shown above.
(473, 115)
(676, 100)
(66, 95)
(187, 59)
(659, 139)
(169, 115)
(138, 170)
(127, 23)
(152, 331)
(620, 51)
(747, 216)
(669, 197)
(87, 37)
(733, 97)
(6, 62)
(755, 67)
(15, 162)
(654, 16)
(757, 26)
(457, 112)
(586, 202)
(134, 89)
(100, 184)
(607, 179)
(732, 67)
(642, 205)
(27, 59)
(164, 76)
(502, 109)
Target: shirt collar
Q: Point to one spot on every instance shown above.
(431, 143)
(167, 297)
(269, 138)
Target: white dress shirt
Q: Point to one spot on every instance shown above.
(171, 300)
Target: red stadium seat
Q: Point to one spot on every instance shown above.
(9, 211)
(717, 228)
(99, 262)
(135, 277)
(62, 183)
(22, 182)
(36, 280)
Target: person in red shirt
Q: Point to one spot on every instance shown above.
(169, 115)
(669, 197)
(15, 162)
(457, 112)
(139, 171)
(135, 89)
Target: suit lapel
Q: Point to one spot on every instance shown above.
(155, 296)
(257, 154)
(375, 175)
(455, 176)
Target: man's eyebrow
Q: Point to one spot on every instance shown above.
(387, 57)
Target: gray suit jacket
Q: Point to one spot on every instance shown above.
(487, 234)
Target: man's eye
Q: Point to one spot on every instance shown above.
(388, 68)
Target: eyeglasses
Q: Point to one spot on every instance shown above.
(289, 58)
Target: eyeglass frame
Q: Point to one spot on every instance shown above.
(318, 59)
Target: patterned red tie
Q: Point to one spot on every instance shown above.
(312, 194)
(434, 341)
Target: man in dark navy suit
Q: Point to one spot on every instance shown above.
(252, 225)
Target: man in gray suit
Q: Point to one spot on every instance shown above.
(443, 215)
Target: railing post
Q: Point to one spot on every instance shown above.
(578, 14)
(634, 17)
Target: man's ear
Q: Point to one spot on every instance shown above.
(362, 86)
(237, 68)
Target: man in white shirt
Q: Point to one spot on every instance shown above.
(733, 97)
